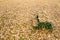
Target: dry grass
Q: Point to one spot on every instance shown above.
(17, 18)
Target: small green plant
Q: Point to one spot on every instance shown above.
(21, 38)
(41, 25)
(47, 25)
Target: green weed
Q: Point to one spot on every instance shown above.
(21, 38)
(41, 25)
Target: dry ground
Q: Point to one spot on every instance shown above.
(18, 16)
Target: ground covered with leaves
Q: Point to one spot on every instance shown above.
(18, 17)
